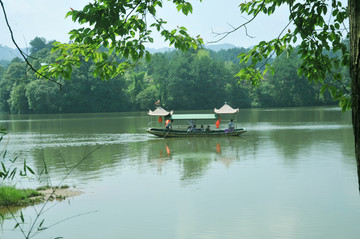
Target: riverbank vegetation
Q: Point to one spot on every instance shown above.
(11, 196)
(195, 80)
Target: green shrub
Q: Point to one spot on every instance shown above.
(10, 196)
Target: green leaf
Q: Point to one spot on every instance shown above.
(148, 56)
(13, 173)
(152, 10)
(104, 56)
(3, 167)
(324, 88)
(22, 217)
(30, 169)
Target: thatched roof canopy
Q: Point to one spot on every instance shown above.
(159, 112)
(226, 109)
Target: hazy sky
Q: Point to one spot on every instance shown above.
(46, 18)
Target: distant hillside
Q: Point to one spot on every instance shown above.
(7, 53)
(215, 47)
(161, 50)
(219, 47)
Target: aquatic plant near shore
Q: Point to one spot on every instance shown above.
(10, 196)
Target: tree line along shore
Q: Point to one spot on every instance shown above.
(195, 80)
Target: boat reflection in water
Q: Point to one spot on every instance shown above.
(194, 156)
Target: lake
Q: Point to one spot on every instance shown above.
(292, 175)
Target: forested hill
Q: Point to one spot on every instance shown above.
(7, 53)
(201, 79)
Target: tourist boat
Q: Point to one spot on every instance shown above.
(191, 128)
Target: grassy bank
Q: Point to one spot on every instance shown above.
(10, 196)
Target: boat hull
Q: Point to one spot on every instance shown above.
(183, 133)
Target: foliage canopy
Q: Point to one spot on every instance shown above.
(320, 26)
(123, 28)
(196, 80)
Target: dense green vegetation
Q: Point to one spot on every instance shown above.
(10, 196)
(198, 79)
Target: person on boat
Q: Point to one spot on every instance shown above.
(202, 129)
(194, 129)
(188, 129)
(168, 125)
(231, 125)
(207, 128)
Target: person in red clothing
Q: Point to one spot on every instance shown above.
(168, 124)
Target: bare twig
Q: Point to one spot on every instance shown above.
(225, 34)
(234, 29)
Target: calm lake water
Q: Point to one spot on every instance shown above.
(292, 175)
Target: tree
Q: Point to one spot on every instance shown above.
(209, 79)
(43, 97)
(319, 25)
(181, 82)
(146, 98)
(136, 83)
(18, 102)
(122, 28)
(354, 13)
(289, 88)
(37, 44)
(158, 68)
(14, 76)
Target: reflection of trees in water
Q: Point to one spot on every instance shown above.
(6, 215)
(59, 161)
(295, 115)
(294, 132)
(295, 144)
(194, 167)
(194, 156)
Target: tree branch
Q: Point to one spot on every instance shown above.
(225, 34)
(311, 38)
(234, 29)
(282, 31)
(21, 52)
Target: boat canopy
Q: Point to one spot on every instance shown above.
(192, 116)
(159, 112)
(226, 109)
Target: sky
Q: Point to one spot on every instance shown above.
(46, 18)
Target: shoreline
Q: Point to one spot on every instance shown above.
(43, 195)
(58, 193)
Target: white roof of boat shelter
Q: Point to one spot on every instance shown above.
(226, 109)
(160, 112)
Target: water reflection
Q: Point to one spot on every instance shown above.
(192, 156)
(119, 152)
(61, 152)
(282, 179)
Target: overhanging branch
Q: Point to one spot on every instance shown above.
(225, 34)
(21, 52)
